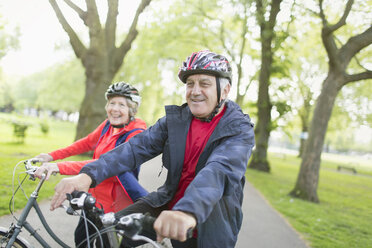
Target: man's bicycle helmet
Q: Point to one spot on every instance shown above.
(205, 62)
(125, 90)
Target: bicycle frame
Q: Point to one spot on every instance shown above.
(32, 203)
(130, 224)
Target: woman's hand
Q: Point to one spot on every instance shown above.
(44, 157)
(48, 169)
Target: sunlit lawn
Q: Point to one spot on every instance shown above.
(11, 152)
(344, 216)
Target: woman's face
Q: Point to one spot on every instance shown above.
(117, 110)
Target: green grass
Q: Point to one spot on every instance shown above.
(362, 165)
(344, 216)
(11, 152)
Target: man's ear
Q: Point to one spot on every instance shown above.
(225, 91)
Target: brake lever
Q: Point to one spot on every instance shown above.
(69, 210)
(138, 237)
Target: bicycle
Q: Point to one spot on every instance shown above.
(130, 225)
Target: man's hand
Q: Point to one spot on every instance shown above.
(44, 157)
(80, 182)
(48, 168)
(174, 225)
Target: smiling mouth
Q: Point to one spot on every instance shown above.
(197, 100)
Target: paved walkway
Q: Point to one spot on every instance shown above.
(263, 227)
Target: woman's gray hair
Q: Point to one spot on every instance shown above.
(133, 107)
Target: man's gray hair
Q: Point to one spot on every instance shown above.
(223, 82)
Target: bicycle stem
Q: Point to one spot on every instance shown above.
(38, 187)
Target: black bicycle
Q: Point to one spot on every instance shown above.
(80, 204)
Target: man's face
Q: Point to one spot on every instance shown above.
(201, 94)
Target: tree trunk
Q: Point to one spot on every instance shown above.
(304, 114)
(92, 109)
(240, 97)
(99, 73)
(339, 58)
(307, 181)
(303, 138)
(305, 117)
(263, 127)
(262, 131)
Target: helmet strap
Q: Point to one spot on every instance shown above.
(118, 126)
(218, 89)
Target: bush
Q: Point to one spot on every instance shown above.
(44, 127)
(19, 131)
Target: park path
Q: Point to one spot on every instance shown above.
(263, 227)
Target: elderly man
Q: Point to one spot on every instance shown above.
(205, 146)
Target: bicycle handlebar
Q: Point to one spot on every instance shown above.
(30, 169)
(148, 224)
(131, 224)
(81, 200)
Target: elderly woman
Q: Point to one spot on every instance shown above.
(116, 192)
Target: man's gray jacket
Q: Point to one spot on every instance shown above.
(215, 195)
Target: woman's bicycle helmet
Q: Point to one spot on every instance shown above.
(125, 90)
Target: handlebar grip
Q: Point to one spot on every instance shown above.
(81, 200)
(74, 194)
(77, 194)
(189, 233)
(148, 224)
(36, 160)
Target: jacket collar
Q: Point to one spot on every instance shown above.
(180, 116)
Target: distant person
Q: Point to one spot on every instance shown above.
(205, 145)
(119, 190)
